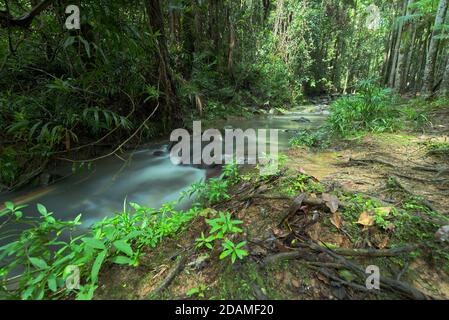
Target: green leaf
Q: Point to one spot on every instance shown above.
(28, 293)
(51, 281)
(39, 263)
(122, 260)
(9, 205)
(97, 265)
(42, 210)
(94, 243)
(224, 254)
(123, 247)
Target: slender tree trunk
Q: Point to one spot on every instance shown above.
(408, 82)
(444, 90)
(172, 110)
(232, 43)
(429, 72)
(401, 69)
(388, 59)
(396, 53)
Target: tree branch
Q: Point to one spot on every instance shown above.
(6, 20)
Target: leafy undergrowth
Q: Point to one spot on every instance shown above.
(327, 219)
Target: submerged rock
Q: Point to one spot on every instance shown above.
(302, 120)
(158, 153)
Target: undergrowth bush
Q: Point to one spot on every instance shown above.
(49, 262)
(371, 109)
(311, 138)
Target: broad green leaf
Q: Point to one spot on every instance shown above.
(224, 254)
(97, 265)
(122, 260)
(9, 205)
(51, 281)
(42, 210)
(38, 263)
(123, 247)
(94, 243)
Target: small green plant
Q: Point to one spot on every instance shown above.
(220, 228)
(45, 256)
(206, 242)
(438, 148)
(224, 225)
(302, 183)
(311, 139)
(232, 250)
(231, 173)
(271, 165)
(199, 291)
(208, 193)
(418, 118)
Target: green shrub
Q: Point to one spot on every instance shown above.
(371, 109)
(48, 260)
(9, 168)
(311, 138)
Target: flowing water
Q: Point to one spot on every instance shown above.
(146, 176)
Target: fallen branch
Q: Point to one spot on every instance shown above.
(386, 282)
(120, 146)
(284, 256)
(169, 279)
(352, 162)
(374, 252)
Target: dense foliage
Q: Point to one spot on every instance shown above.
(137, 68)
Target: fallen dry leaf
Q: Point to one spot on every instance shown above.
(336, 220)
(366, 219)
(296, 283)
(280, 233)
(384, 243)
(331, 201)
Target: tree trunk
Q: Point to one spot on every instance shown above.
(172, 110)
(429, 72)
(401, 69)
(444, 91)
(396, 53)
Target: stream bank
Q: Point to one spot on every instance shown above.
(312, 230)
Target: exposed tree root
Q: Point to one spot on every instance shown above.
(169, 279)
(374, 252)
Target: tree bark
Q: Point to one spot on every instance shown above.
(394, 65)
(444, 91)
(429, 71)
(172, 110)
(24, 21)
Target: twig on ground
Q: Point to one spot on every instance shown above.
(169, 279)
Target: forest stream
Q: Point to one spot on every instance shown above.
(145, 176)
